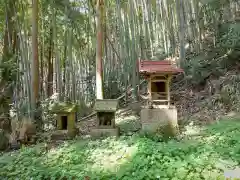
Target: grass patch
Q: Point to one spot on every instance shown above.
(131, 157)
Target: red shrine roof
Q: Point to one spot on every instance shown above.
(152, 67)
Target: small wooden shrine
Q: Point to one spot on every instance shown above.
(66, 116)
(158, 75)
(105, 121)
(159, 116)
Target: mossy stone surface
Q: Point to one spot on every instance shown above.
(106, 105)
(63, 107)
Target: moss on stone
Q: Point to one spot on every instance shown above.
(106, 105)
(63, 107)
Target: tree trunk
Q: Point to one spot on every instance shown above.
(50, 64)
(35, 65)
(181, 30)
(6, 81)
(99, 79)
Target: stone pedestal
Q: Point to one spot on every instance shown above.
(161, 120)
(63, 134)
(99, 132)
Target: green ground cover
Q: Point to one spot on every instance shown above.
(202, 156)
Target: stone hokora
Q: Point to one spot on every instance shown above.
(105, 119)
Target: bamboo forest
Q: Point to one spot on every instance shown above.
(119, 89)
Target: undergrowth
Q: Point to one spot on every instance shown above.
(131, 157)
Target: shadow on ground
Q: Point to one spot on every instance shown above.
(202, 156)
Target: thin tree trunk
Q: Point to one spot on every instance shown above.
(6, 88)
(35, 62)
(50, 64)
(133, 53)
(180, 11)
(99, 69)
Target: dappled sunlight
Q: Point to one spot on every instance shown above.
(112, 157)
(66, 155)
(205, 156)
(128, 124)
(120, 121)
(192, 130)
(56, 151)
(123, 112)
(126, 118)
(162, 63)
(210, 139)
(91, 157)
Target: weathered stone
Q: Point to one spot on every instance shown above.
(73, 132)
(62, 135)
(63, 108)
(106, 105)
(105, 121)
(163, 121)
(105, 132)
(66, 118)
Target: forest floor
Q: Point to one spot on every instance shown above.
(204, 152)
(208, 146)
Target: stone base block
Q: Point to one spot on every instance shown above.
(162, 120)
(105, 132)
(63, 135)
